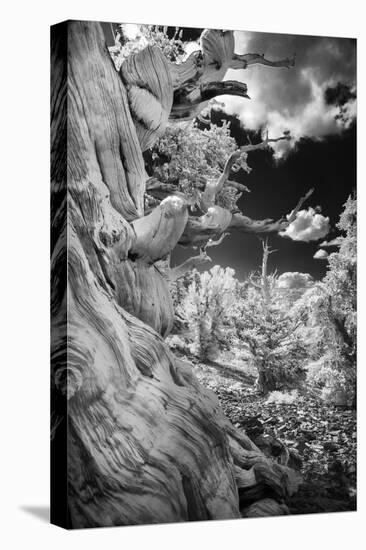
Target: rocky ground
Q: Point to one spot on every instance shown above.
(320, 438)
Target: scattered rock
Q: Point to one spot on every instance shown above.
(310, 435)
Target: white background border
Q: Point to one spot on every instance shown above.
(24, 200)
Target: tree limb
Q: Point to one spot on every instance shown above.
(237, 185)
(254, 283)
(236, 160)
(213, 188)
(199, 78)
(293, 214)
(212, 242)
(189, 264)
(158, 232)
(242, 61)
(247, 225)
(153, 184)
(265, 143)
(199, 230)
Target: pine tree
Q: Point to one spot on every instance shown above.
(270, 333)
(208, 309)
(328, 313)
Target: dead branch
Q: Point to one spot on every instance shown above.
(212, 242)
(242, 61)
(292, 216)
(247, 225)
(189, 264)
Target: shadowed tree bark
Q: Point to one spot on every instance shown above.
(146, 443)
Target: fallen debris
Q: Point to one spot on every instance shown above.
(320, 439)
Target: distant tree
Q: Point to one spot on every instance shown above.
(208, 309)
(277, 350)
(341, 279)
(270, 333)
(179, 288)
(328, 316)
(315, 320)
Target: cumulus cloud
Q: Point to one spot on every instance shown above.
(295, 279)
(321, 255)
(309, 225)
(334, 242)
(314, 99)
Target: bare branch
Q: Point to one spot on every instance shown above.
(212, 242)
(237, 185)
(242, 61)
(253, 283)
(204, 118)
(247, 225)
(292, 216)
(236, 160)
(213, 188)
(153, 184)
(189, 264)
(189, 97)
(245, 149)
(198, 233)
(266, 248)
(265, 143)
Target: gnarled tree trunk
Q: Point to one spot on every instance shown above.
(145, 442)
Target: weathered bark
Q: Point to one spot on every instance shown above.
(188, 86)
(213, 188)
(146, 443)
(183, 92)
(265, 284)
(158, 232)
(200, 77)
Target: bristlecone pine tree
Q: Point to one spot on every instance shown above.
(328, 315)
(207, 309)
(146, 443)
(268, 329)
